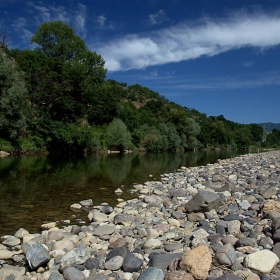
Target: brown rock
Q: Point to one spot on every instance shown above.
(118, 243)
(197, 262)
(271, 205)
(178, 275)
(195, 217)
(162, 227)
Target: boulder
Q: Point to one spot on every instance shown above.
(261, 262)
(37, 255)
(203, 201)
(197, 261)
(76, 256)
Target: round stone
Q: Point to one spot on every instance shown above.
(114, 263)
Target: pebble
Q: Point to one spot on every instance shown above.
(114, 263)
(228, 210)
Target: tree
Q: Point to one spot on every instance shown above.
(193, 130)
(193, 127)
(173, 139)
(118, 137)
(65, 79)
(273, 139)
(57, 39)
(12, 98)
(151, 139)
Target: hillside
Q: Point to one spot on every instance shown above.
(58, 99)
(269, 126)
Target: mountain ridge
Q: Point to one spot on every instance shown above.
(269, 126)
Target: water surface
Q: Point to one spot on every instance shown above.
(39, 189)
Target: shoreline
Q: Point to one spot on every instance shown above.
(197, 222)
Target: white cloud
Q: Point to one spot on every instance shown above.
(44, 13)
(186, 41)
(20, 26)
(248, 81)
(158, 18)
(80, 20)
(248, 63)
(40, 12)
(101, 20)
(154, 73)
(51, 13)
(104, 23)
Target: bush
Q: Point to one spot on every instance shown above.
(6, 146)
(30, 144)
(118, 137)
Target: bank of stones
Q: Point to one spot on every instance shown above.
(219, 221)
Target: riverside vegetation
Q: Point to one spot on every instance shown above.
(56, 98)
(216, 222)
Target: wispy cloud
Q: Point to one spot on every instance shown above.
(20, 26)
(248, 63)
(158, 18)
(39, 13)
(154, 73)
(187, 41)
(51, 13)
(80, 20)
(104, 23)
(249, 81)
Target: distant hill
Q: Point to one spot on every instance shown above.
(268, 127)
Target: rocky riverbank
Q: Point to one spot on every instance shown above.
(219, 221)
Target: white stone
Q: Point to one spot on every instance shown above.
(152, 243)
(97, 216)
(75, 207)
(21, 232)
(152, 233)
(201, 234)
(174, 222)
(48, 226)
(262, 261)
(86, 203)
(118, 190)
(233, 227)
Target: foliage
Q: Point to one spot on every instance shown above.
(273, 139)
(5, 145)
(118, 137)
(13, 103)
(56, 97)
(57, 39)
(151, 139)
(30, 144)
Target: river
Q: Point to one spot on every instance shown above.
(40, 189)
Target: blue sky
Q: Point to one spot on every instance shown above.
(220, 57)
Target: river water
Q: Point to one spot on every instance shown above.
(40, 189)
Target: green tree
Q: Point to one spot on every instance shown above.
(118, 137)
(273, 139)
(151, 139)
(13, 105)
(193, 130)
(57, 39)
(171, 135)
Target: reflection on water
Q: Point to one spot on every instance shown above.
(37, 189)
